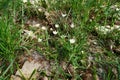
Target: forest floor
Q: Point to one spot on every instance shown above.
(60, 40)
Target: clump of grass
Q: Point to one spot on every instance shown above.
(9, 43)
(9, 38)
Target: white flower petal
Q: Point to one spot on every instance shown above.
(39, 40)
(57, 25)
(51, 29)
(72, 41)
(72, 25)
(36, 25)
(24, 1)
(90, 58)
(64, 15)
(116, 26)
(63, 36)
(30, 33)
(40, 10)
(43, 28)
(117, 9)
(55, 32)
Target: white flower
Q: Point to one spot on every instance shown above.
(82, 52)
(33, 1)
(112, 28)
(24, 1)
(117, 9)
(40, 10)
(90, 58)
(55, 32)
(90, 20)
(36, 25)
(72, 25)
(107, 26)
(30, 33)
(63, 36)
(103, 29)
(57, 25)
(51, 29)
(43, 28)
(64, 15)
(116, 26)
(113, 7)
(72, 41)
(100, 70)
(39, 40)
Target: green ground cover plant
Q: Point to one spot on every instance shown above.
(83, 34)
